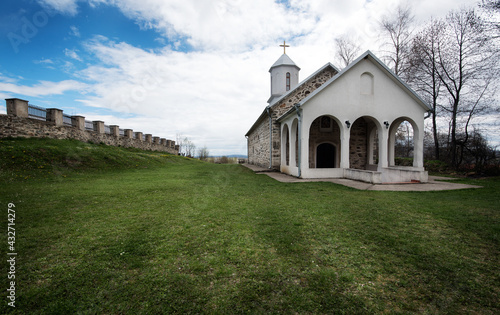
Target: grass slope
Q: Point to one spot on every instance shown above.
(43, 158)
(144, 232)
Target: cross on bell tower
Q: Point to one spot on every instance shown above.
(284, 47)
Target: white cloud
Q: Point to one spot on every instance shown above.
(44, 61)
(72, 54)
(233, 25)
(43, 88)
(67, 7)
(214, 94)
(74, 31)
(3, 109)
(6, 79)
(239, 25)
(212, 98)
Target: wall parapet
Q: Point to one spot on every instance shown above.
(26, 120)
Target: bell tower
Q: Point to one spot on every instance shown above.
(284, 75)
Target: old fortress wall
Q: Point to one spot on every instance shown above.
(24, 120)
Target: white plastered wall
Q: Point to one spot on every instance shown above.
(346, 99)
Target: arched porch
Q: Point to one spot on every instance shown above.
(361, 150)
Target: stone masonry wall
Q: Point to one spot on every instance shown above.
(258, 145)
(13, 126)
(358, 145)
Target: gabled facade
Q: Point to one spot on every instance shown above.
(341, 124)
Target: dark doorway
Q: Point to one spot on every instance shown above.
(325, 156)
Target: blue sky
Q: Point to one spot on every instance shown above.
(169, 67)
(43, 44)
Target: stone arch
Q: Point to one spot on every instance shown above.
(364, 143)
(324, 129)
(411, 143)
(366, 83)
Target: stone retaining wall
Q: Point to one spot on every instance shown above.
(13, 125)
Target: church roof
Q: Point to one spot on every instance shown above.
(279, 99)
(284, 60)
(367, 55)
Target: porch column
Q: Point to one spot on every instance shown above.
(418, 148)
(304, 145)
(345, 136)
(382, 149)
(392, 145)
(293, 152)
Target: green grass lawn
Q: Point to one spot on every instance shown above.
(104, 230)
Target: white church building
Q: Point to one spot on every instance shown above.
(338, 124)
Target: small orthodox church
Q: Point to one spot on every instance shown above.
(338, 123)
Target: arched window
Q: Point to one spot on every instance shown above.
(367, 83)
(288, 81)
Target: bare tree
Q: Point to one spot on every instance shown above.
(186, 146)
(492, 10)
(480, 153)
(399, 28)
(467, 68)
(347, 50)
(423, 71)
(179, 140)
(190, 147)
(203, 153)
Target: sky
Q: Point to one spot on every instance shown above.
(195, 68)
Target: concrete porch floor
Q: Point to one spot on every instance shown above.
(435, 182)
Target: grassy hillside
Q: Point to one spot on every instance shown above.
(130, 232)
(24, 158)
